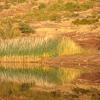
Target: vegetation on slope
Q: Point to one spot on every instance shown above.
(15, 26)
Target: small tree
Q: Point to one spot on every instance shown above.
(25, 28)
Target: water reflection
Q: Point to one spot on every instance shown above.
(39, 74)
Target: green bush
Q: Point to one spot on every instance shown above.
(86, 5)
(25, 28)
(85, 21)
(71, 6)
(42, 6)
(56, 7)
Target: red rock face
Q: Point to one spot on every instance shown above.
(89, 40)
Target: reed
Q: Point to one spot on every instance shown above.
(69, 47)
(47, 46)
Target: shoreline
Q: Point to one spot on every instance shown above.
(78, 60)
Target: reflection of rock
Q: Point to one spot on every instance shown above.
(78, 60)
(91, 77)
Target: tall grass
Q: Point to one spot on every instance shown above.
(8, 29)
(40, 75)
(39, 46)
(69, 47)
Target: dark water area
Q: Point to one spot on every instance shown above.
(41, 82)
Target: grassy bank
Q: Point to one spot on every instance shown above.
(40, 47)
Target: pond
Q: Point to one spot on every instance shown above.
(25, 81)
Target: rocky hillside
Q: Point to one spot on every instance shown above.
(78, 20)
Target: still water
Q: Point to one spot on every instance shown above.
(39, 74)
(41, 82)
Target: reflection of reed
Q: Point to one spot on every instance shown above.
(41, 75)
(20, 59)
(21, 65)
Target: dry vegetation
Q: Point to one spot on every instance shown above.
(64, 34)
(41, 20)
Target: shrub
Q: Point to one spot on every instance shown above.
(56, 7)
(8, 29)
(71, 6)
(4, 6)
(85, 21)
(79, 90)
(25, 28)
(86, 5)
(25, 86)
(8, 89)
(16, 1)
(42, 6)
(54, 17)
